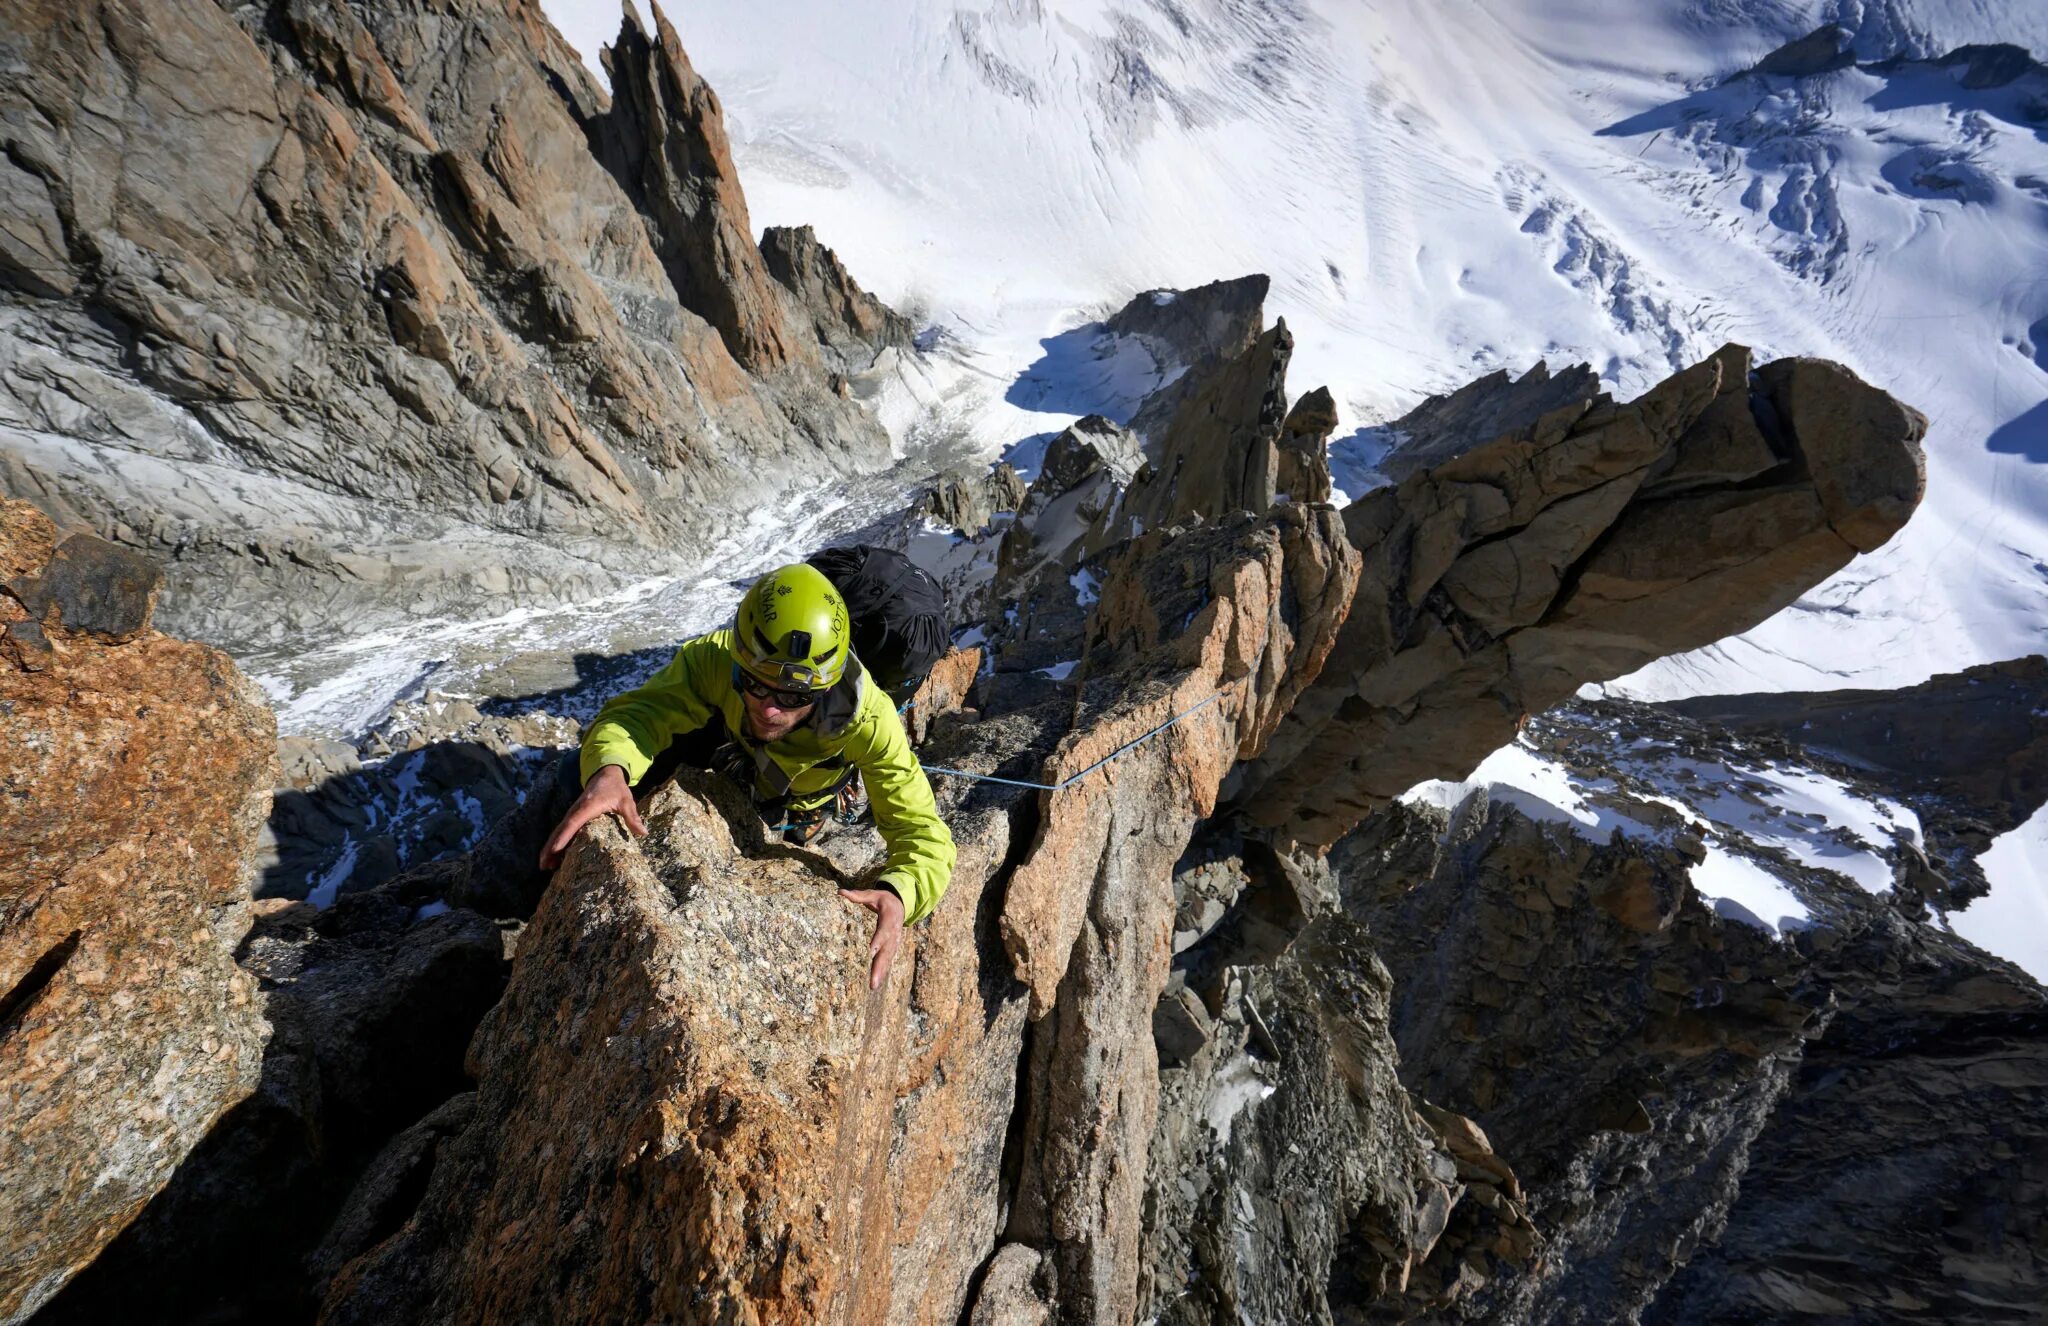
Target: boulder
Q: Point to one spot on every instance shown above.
(1304, 461)
(136, 772)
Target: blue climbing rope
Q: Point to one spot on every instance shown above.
(1069, 782)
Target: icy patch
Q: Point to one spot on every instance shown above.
(328, 884)
(1087, 589)
(1237, 1086)
(1060, 671)
(1808, 817)
(437, 907)
(1816, 820)
(1543, 790)
(2012, 920)
(1746, 892)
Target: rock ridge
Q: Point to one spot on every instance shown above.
(425, 323)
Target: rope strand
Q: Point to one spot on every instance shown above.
(1069, 782)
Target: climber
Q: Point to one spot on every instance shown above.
(780, 703)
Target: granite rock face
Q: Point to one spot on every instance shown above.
(1066, 510)
(1711, 1122)
(370, 1003)
(421, 321)
(1293, 1176)
(1620, 1044)
(913, 1091)
(1304, 462)
(136, 772)
(662, 1127)
(849, 322)
(1220, 450)
(1902, 1175)
(1093, 1068)
(1579, 540)
(666, 140)
(1196, 331)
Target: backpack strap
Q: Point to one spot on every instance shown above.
(841, 705)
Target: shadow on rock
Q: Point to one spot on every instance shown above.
(372, 1010)
(1087, 370)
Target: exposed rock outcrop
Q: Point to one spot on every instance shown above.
(1901, 1177)
(1066, 509)
(1578, 543)
(1304, 463)
(422, 321)
(1220, 451)
(1209, 323)
(371, 1004)
(706, 1140)
(135, 771)
(1196, 331)
(1022, 1167)
(1619, 1043)
(848, 321)
(969, 503)
(666, 138)
(1968, 751)
(930, 1150)
(1292, 1175)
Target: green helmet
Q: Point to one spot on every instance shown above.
(793, 631)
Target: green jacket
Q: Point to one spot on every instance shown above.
(633, 728)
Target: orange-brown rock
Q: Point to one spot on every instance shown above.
(735, 1127)
(678, 167)
(663, 1129)
(134, 777)
(687, 1159)
(1189, 629)
(1577, 542)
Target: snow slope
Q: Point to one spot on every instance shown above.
(1439, 190)
(1757, 823)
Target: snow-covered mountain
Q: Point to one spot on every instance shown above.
(1441, 190)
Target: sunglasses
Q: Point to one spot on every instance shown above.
(776, 696)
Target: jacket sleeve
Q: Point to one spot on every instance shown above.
(919, 862)
(635, 727)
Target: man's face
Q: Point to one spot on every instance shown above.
(769, 721)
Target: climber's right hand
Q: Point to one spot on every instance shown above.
(607, 793)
